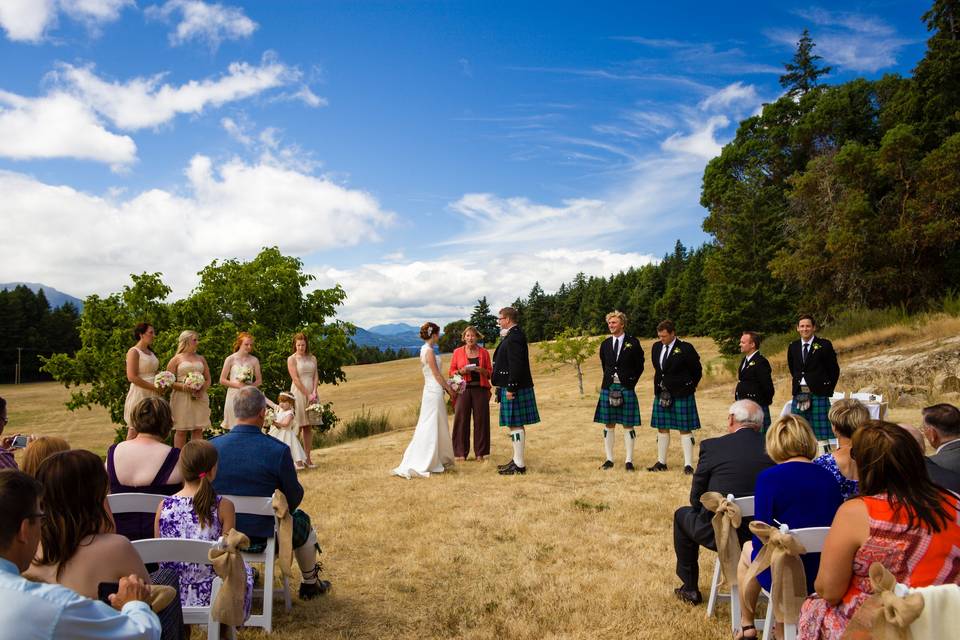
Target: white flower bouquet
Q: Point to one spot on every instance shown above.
(245, 374)
(194, 381)
(164, 380)
(314, 413)
(457, 382)
(269, 418)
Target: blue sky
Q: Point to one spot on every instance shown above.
(422, 154)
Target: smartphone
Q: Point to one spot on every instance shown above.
(19, 442)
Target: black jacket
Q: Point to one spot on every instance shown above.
(821, 370)
(729, 464)
(755, 381)
(511, 362)
(628, 365)
(681, 371)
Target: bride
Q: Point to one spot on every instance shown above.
(431, 447)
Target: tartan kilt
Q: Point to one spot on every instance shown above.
(766, 419)
(816, 416)
(520, 411)
(627, 414)
(682, 415)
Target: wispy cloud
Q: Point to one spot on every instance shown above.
(706, 57)
(465, 67)
(31, 20)
(203, 22)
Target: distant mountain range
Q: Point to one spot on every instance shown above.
(392, 336)
(54, 297)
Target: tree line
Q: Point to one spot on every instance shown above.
(32, 329)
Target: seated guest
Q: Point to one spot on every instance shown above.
(728, 464)
(254, 464)
(35, 611)
(39, 450)
(7, 460)
(938, 475)
(144, 464)
(78, 548)
(900, 519)
(846, 416)
(941, 426)
(795, 493)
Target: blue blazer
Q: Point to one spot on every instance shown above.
(254, 464)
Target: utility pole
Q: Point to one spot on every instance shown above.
(17, 374)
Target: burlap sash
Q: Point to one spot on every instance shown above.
(228, 564)
(285, 533)
(161, 595)
(884, 615)
(788, 581)
(726, 520)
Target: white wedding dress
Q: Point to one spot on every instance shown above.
(431, 447)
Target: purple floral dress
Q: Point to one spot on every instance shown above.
(178, 520)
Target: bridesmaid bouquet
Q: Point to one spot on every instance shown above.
(314, 411)
(194, 381)
(164, 380)
(245, 374)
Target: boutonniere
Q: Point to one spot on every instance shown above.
(752, 362)
(676, 350)
(628, 346)
(816, 345)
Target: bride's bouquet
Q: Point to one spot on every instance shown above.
(457, 382)
(245, 374)
(194, 381)
(164, 380)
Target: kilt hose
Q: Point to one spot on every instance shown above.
(627, 414)
(520, 411)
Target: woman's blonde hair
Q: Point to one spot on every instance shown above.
(39, 450)
(846, 416)
(184, 338)
(791, 437)
(471, 329)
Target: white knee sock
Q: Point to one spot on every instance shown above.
(518, 437)
(608, 434)
(306, 555)
(663, 441)
(629, 435)
(686, 440)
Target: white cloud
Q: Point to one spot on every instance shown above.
(733, 95)
(58, 126)
(30, 20)
(230, 210)
(701, 142)
(148, 102)
(208, 23)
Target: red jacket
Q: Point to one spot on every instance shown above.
(459, 360)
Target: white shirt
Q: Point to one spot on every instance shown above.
(665, 352)
(746, 360)
(803, 379)
(39, 611)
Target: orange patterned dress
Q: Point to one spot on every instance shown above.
(916, 557)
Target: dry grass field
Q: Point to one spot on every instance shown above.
(567, 551)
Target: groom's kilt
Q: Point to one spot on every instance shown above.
(627, 414)
(681, 415)
(816, 416)
(520, 411)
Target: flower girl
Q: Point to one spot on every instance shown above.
(285, 430)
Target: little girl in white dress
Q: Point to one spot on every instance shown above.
(285, 429)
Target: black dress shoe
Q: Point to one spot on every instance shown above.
(504, 466)
(310, 591)
(628, 467)
(690, 596)
(659, 466)
(687, 470)
(607, 465)
(512, 469)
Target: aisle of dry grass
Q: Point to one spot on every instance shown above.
(567, 551)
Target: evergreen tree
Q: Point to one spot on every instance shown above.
(803, 72)
(485, 321)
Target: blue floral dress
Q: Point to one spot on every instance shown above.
(848, 487)
(179, 520)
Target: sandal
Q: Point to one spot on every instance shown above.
(741, 633)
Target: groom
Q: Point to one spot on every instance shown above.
(511, 374)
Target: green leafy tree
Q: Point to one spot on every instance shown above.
(484, 320)
(264, 297)
(450, 338)
(570, 349)
(803, 72)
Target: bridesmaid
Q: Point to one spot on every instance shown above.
(191, 408)
(302, 367)
(142, 365)
(230, 375)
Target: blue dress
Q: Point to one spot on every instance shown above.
(848, 487)
(800, 495)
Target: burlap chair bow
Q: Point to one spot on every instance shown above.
(726, 520)
(788, 582)
(228, 564)
(161, 595)
(281, 509)
(885, 615)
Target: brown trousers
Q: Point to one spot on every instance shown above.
(475, 401)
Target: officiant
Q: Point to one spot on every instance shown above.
(472, 363)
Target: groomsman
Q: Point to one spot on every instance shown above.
(754, 378)
(511, 376)
(678, 372)
(621, 358)
(813, 365)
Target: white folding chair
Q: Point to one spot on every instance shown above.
(812, 539)
(746, 510)
(134, 502)
(867, 397)
(263, 506)
(838, 395)
(184, 550)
